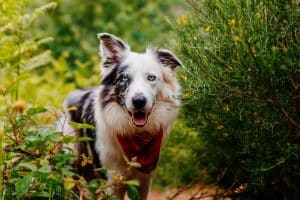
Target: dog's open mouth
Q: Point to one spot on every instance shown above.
(139, 118)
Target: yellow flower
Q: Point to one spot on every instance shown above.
(220, 126)
(231, 22)
(19, 106)
(226, 108)
(184, 95)
(284, 49)
(85, 160)
(184, 78)
(65, 54)
(207, 29)
(237, 39)
(183, 20)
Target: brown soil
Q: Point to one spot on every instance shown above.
(167, 194)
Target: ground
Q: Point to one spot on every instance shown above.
(198, 192)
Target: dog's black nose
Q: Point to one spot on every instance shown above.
(139, 101)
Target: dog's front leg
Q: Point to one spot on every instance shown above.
(144, 187)
(114, 188)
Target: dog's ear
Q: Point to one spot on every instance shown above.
(112, 47)
(167, 58)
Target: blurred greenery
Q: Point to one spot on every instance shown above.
(241, 88)
(240, 92)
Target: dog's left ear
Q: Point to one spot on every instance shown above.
(112, 47)
(167, 58)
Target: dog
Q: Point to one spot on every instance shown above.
(132, 111)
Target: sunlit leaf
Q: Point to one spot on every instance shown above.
(83, 139)
(132, 182)
(36, 110)
(54, 137)
(27, 165)
(69, 139)
(69, 183)
(81, 126)
(45, 169)
(22, 185)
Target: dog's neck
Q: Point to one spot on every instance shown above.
(143, 148)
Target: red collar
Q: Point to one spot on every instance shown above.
(144, 146)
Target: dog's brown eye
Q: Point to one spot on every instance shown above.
(151, 77)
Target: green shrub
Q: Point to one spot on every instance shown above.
(242, 87)
(178, 165)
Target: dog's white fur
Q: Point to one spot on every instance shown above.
(162, 100)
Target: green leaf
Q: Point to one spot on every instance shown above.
(72, 139)
(69, 183)
(22, 185)
(133, 192)
(54, 137)
(36, 110)
(45, 169)
(133, 182)
(83, 139)
(30, 166)
(81, 126)
(69, 139)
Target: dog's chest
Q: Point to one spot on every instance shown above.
(143, 148)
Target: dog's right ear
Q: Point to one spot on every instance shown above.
(112, 48)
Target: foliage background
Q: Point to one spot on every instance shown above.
(242, 89)
(239, 125)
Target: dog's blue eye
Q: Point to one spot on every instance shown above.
(124, 78)
(151, 77)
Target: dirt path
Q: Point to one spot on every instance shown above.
(160, 194)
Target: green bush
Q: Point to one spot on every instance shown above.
(242, 88)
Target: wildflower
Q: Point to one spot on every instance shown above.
(65, 54)
(219, 126)
(19, 106)
(237, 39)
(185, 95)
(284, 49)
(231, 22)
(85, 160)
(226, 108)
(195, 38)
(184, 78)
(241, 188)
(207, 29)
(249, 69)
(183, 20)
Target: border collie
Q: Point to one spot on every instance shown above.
(132, 110)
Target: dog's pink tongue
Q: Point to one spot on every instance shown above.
(143, 147)
(139, 118)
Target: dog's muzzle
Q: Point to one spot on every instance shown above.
(139, 101)
(139, 116)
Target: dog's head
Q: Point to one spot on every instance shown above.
(137, 82)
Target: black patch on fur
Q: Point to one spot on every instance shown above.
(112, 41)
(85, 114)
(109, 62)
(114, 86)
(168, 59)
